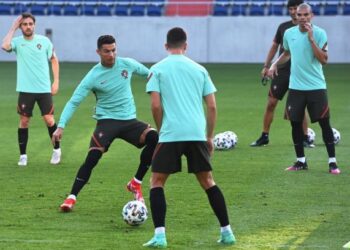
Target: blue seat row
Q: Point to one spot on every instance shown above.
(83, 9)
(276, 9)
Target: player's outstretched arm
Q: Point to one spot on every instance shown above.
(55, 72)
(270, 56)
(6, 43)
(283, 58)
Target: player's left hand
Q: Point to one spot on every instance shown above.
(54, 88)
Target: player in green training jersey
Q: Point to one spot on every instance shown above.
(33, 80)
(115, 113)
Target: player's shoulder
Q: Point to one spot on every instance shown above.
(126, 61)
(291, 30)
(41, 38)
(318, 29)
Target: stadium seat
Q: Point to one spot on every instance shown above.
(19, 8)
(137, 10)
(276, 9)
(330, 9)
(316, 9)
(220, 10)
(88, 10)
(71, 10)
(55, 9)
(5, 9)
(121, 10)
(257, 10)
(154, 10)
(346, 9)
(103, 10)
(38, 9)
(238, 9)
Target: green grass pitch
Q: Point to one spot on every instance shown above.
(268, 207)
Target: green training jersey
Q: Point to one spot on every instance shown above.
(112, 89)
(182, 84)
(306, 70)
(33, 75)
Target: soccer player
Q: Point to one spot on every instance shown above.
(177, 86)
(279, 85)
(33, 80)
(306, 45)
(115, 113)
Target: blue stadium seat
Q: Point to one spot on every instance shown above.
(55, 9)
(330, 9)
(257, 10)
(276, 9)
(5, 9)
(238, 9)
(316, 9)
(220, 10)
(137, 10)
(38, 9)
(20, 8)
(121, 10)
(346, 9)
(154, 10)
(70, 10)
(103, 10)
(88, 10)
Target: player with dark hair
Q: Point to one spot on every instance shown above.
(306, 46)
(279, 85)
(33, 80)
(177, 86)
(115, 113)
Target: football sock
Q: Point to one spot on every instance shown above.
(72, 196)
(328, 137)
(158, 206)
(332, 159)
(151, 141)
(51, 131)
(22, 140)
(264, 134)
(217, 202)
(226, 229)
(159, 230)
(298, 134)
(85, 170)
(301, 159)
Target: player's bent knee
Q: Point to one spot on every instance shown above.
(49, 120)
(151, 138)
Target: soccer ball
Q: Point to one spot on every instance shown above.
(134, 213)
(311, 135)
(225, 140)
(232, 137)
(336, 135)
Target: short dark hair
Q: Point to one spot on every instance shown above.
(176, 37)
(292, 3)
(28, 15)
(105, 39)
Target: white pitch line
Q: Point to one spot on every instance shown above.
(347, 245)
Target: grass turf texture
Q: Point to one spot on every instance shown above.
(268, 207)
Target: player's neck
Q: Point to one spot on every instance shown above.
(176, 51)
(29, 37)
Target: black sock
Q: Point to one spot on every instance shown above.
(22, 140)
(158, 206)
(266, 135)
(217, 203)
(298, 136)
(328, 137)
(151, 141)
(51, 130)
(85, 170)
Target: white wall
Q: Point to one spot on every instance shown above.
(211, 39)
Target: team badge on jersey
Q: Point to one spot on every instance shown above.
(39, 46)
(124, 74)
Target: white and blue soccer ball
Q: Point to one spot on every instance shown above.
(225, 140)
(311, 135)
(336, 135)
(135, 213)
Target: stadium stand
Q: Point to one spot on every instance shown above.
(167, 7)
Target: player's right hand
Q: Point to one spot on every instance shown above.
(273, 71)
(57, 135)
